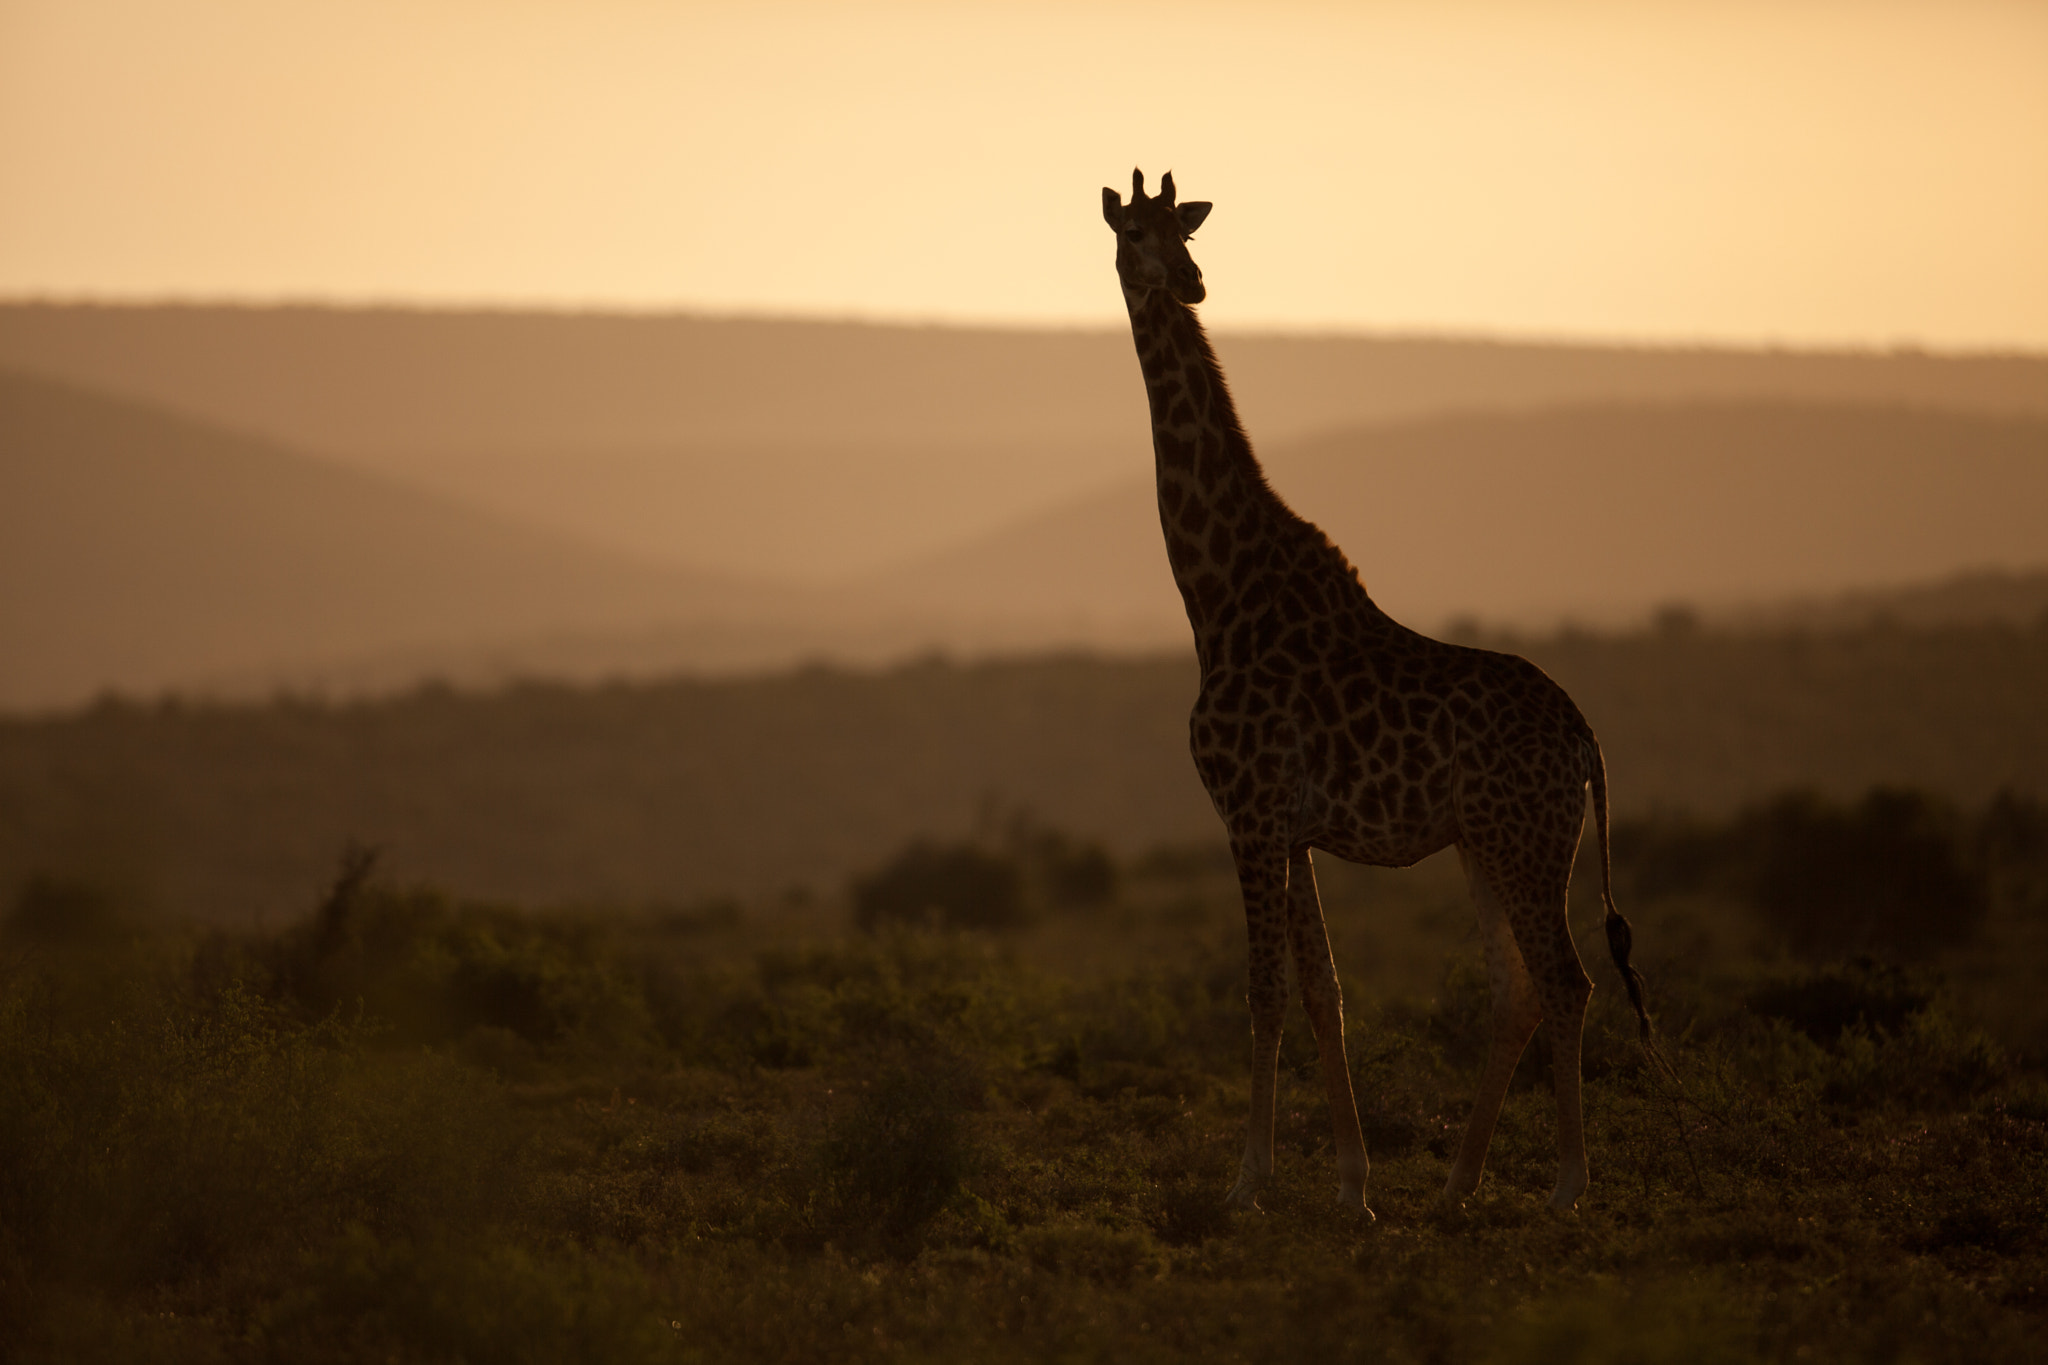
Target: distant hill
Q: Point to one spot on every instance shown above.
(822, 450)
(1967, 599)
(141, 550)
(1598, 514)
(144, 551)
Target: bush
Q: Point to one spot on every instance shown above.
(1897, 874)
(1066, 873)
(1887, 1038)
(1090, 1251)
(957, 886)
(1889, 875)
(433, 970)
(1859, 993)
(1079, 877)
(900, 1156)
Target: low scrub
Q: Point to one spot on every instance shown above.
(424, 1128)
(1897, 874)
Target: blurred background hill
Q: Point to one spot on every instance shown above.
(1594, 515)
(228, 500)
(140, 550)
(808, 450)
(649, 609)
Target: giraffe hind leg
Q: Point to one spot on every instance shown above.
(1565, 989)
(1517, 1008)
(1316, 969)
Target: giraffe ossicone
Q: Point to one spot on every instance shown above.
(1323, 723)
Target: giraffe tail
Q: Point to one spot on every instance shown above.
(1620, 938)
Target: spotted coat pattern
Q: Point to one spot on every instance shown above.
(1321, 722)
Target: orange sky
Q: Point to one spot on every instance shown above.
(1864, 172)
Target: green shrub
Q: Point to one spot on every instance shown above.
(155, 1146)
(1090, 1251)
(1930, 1062)
(1884, 1038)
(1825, 1003)
(1189, 1210)
(432, 970)
(902, 1152)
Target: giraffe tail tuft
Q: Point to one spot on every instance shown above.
(1620, 937)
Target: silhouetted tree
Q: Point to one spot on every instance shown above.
(959, 886)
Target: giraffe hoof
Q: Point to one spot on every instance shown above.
(1243, 1197)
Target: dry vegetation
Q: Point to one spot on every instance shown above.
(634, 794)
(418, 1127)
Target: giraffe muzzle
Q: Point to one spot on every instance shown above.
(1186, 284)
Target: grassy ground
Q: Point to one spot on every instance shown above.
(419, 1129)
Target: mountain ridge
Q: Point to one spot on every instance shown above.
(842, 443)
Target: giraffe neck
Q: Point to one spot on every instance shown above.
(1223, 523)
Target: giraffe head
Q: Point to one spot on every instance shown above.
(1151, 240)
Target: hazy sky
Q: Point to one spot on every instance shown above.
(1795, 171)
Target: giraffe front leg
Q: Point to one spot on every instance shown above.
(1264, 881)
(1316, 968)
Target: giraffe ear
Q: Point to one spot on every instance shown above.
(1112, 207)
(1191, 216)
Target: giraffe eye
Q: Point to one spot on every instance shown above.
(1135, 234)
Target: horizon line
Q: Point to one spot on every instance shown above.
(925, 321)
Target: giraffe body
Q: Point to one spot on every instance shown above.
(1323, 723)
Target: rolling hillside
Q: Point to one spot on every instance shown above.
(828, 450)
(1598, 514)
(146, 552)
(142, 551)
(333, 500)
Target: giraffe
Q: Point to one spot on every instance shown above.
(1323, 723)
